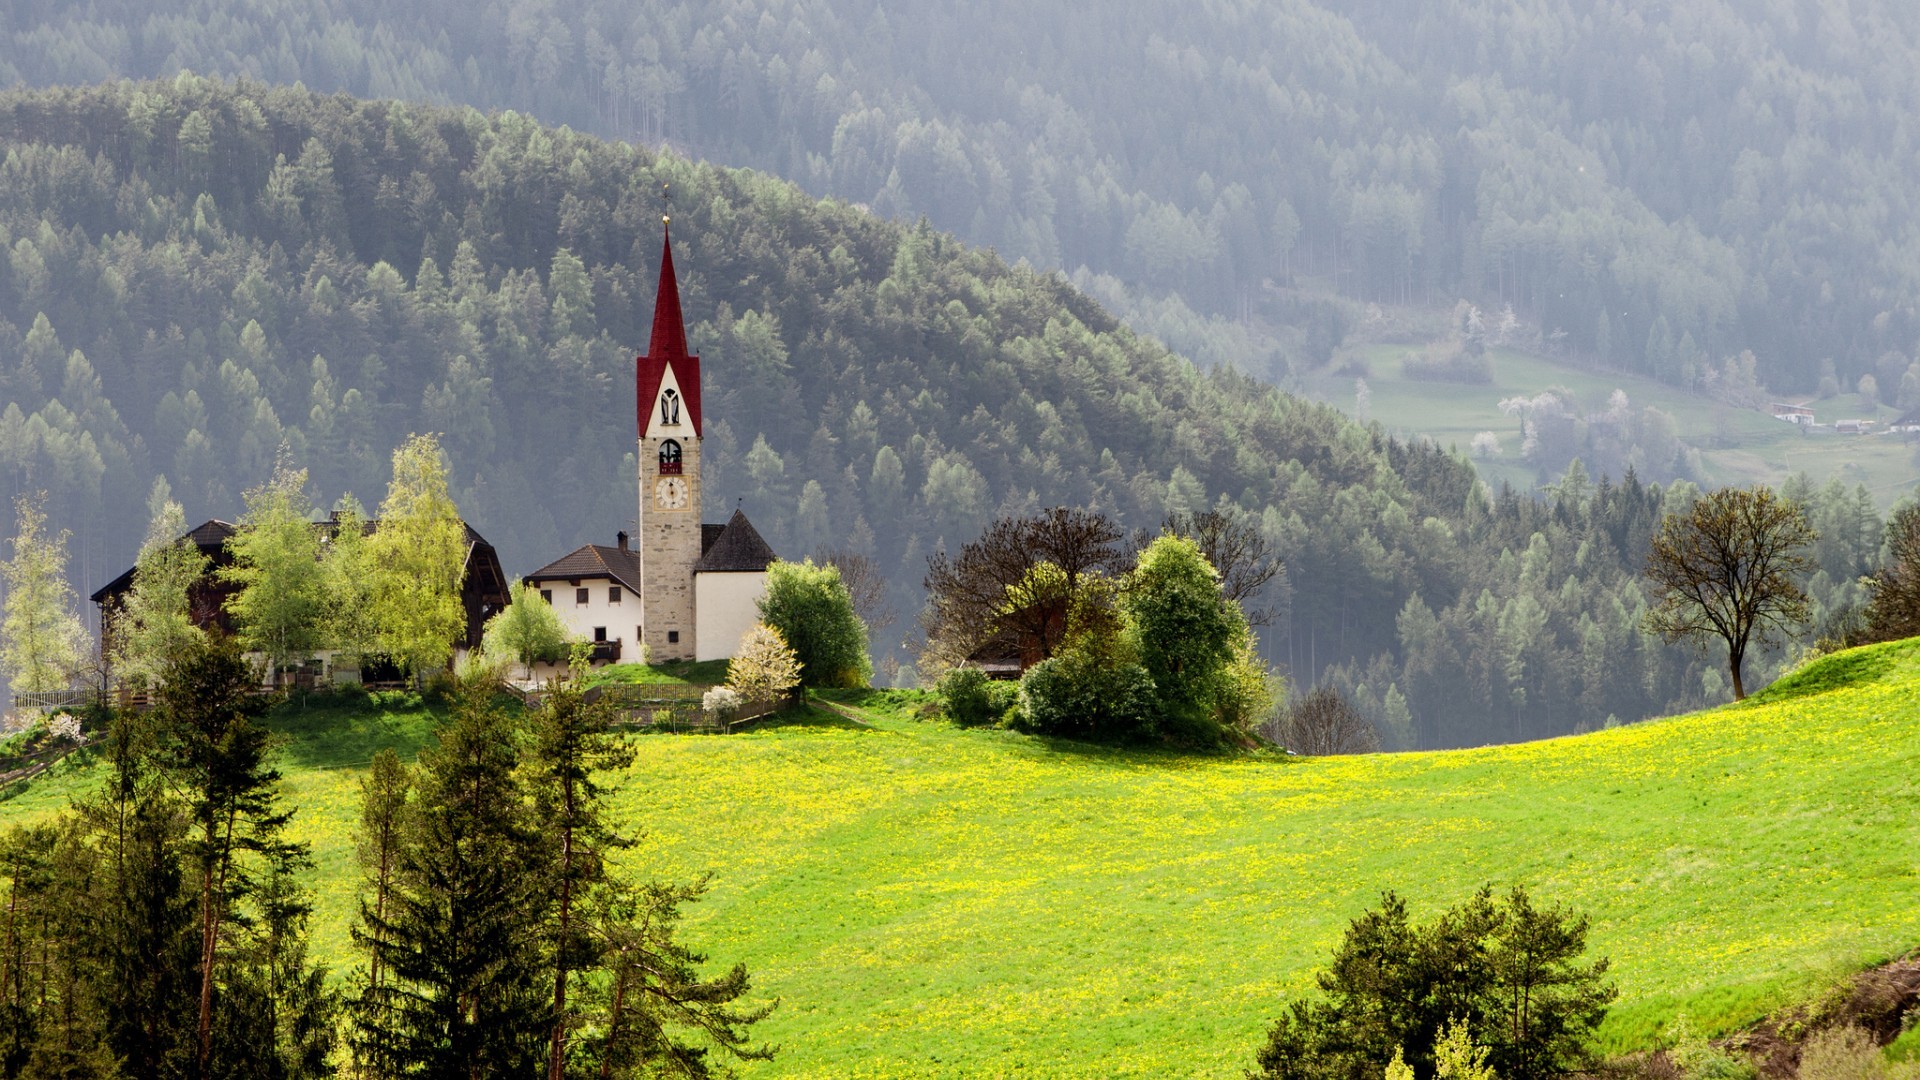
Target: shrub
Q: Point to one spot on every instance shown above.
(1323, 724)
(1456, 366)
(1077, 696)
(720, 703)
(1003, 703)
(967, 697)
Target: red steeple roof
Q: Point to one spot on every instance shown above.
(668, 348)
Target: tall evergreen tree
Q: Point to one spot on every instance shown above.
(460, 946)
(218, 752)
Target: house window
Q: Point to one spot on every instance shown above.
(670, 407)
(673, 637)
(547, 595)
(599, 633)
(580, 597)
(669, 458)
(613, 594)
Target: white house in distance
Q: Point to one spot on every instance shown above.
(688, 590)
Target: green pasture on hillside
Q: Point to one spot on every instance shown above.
(928, 901)
(1737, 446)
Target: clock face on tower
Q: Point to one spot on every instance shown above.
(670, 493)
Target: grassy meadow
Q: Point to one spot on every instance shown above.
(1737, 446)
(928, 901)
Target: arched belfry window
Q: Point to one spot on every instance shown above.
(669, 456)
(670, 406)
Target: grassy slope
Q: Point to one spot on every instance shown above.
(929, 901)
(1738, 446)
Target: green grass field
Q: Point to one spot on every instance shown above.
(928, 901)
(1737, 446)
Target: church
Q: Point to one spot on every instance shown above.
(687, 590)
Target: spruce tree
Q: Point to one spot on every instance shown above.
(459, 947)
(572, 739)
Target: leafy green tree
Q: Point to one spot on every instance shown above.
(1730, 568)
(810, 608)
(527, 631)
(154, 627)
(279, 608)
(1095, 686)
(347, 587)
(419, 557)
(42, 643)
(1190, 634)
(460, 946)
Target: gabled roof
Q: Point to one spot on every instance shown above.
(593, 561)
(738, 547)
(667, 349)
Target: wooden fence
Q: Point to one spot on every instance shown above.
(673, 707)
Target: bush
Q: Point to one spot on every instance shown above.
(720, 703)
(1076, 696)
(967, 696)
(1323, 724)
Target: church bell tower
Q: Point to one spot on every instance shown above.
(667, 398)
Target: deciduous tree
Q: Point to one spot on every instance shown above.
(810, 608)
(42, 643)
(280, 607)
(967, 593)
(527, 631)
(1729, 568)
(763, 668)
(154, 626)
(419, 557)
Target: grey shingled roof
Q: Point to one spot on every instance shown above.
(738, 548)
(593, 561)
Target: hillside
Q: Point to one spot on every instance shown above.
(928, 901)
(1695, 435)
(198, 272)
(1666, 184)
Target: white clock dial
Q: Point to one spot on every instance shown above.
(670, 493)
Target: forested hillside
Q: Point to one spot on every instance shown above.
(197, 273)
(1662, 186)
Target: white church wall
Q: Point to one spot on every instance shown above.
(726, 605)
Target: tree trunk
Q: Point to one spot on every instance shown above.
(1735, 659)
(557, 1056)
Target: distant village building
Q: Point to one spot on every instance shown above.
(687, 590)
(1793, 414)
(1853, 427)
(483, 587)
